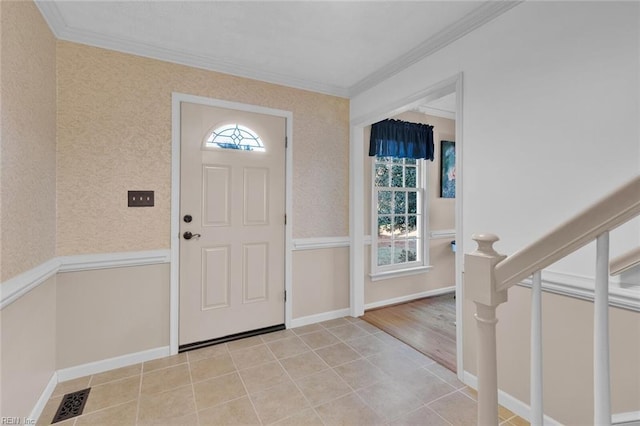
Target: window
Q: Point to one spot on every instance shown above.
(399, 223)
(234, 136)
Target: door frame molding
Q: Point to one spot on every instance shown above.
(357, 233)
(176, 99)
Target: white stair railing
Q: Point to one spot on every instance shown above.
(625, 262)
(489, 275)
(537, 412)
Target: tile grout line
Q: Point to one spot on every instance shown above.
(294, 382)
(139, 394)
(193, 389)
(333, 368)
(438, 414)
(244, 385)
(355, 392)
(340, 340)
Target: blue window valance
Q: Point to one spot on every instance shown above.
(401, 139)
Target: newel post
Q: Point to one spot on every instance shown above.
(480, 287)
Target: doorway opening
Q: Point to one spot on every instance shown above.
(444, 225)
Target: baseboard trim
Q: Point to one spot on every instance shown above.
(16, 287)
(410, 297)
(508, 401)
(325, 316)
(112, 363)
(44, 398)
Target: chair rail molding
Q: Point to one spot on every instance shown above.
(86, 262)
(16, 287)
(442, 233)
(320, 243)
(581, 287)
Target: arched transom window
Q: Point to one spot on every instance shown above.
(235, 136)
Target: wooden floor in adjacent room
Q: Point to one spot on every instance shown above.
(427, 325)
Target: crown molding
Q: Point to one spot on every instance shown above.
(478, 17)
(62, 31)
(52, 16)
(474, 19)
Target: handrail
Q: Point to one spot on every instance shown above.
(605, 215)
(624, 262)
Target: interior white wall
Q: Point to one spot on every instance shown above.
(551, 109)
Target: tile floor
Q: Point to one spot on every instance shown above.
(340, 372)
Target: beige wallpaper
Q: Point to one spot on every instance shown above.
(441, 217)
(114, 135)
(28, 135)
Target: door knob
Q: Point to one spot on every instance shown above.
(188, 235)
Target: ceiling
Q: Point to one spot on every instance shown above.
(335, 47)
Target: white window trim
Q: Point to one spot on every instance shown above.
(410, 268)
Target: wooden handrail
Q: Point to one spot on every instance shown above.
(605, 215)
(625, 262)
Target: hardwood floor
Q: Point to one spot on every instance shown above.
(427, 325)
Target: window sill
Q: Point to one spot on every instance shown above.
(399, 273)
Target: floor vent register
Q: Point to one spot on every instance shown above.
(71, 405)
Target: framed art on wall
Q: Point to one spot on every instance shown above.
(447, 169)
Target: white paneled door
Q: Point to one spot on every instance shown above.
(232, 222)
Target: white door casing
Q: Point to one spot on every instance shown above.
(232, 277)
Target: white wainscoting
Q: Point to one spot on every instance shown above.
(320, 243)
(333, 242)
(581, 287)
(443, 233)
(16, 287)
(11, 290)
(86, 262)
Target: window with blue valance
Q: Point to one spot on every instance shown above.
(401, 139)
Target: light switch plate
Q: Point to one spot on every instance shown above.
(140, 198)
